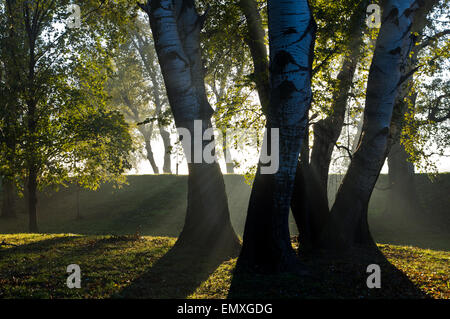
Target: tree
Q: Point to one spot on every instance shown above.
(176, 29)
(266, 243)
(135, 86)
(256, 41)
(310, 200)
(60, 99)
(429, 47)
(11, 60)
(349, 225)
(228, 82)
(149, 61)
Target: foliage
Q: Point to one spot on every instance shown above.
(426, 133)
(137, 88)
(229, 71)
(55, 76)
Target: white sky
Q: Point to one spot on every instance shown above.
(250, 158)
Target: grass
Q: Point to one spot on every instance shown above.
(141, 267)
(36, 268)
(123, 245)
(155, 205)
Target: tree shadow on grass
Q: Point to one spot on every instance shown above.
(331, 276)
(176, 275)
(40, 245)
(63, 246)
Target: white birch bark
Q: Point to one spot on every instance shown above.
(174, 62)
(349, 212)
(176, 28)
(291, 39)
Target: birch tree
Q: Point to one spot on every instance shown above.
(336, 41)
(266, 243)
(349, 225)
(310, 200)
(429, 44)
(176, 29)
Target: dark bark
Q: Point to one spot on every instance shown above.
(267, 243)
(256, 42)
(10, 139)
(207, 225)
(309, 203)
(32, 200)
(167, 166)
(150, 156)
(8, 205)
(328, 130)
(309, 206)
(312, 180)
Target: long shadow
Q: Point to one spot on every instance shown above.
(332, 276)
(40, 245)
(60, 250)
(176, 275)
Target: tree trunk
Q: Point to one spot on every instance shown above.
(309, 203)
(8, 205)
(349, 226)
(207, 222)
(267, 244)
(177, 41)
(32, 200)
(312, 180)
(150, 156)
(229, 164)
(328, 130)
(403, 197)
(167, 167)
(257, 44)
(147, 134)
(147, 57)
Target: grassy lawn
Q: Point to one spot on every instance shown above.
(33, 265)
(155, 205)
(123, 245)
